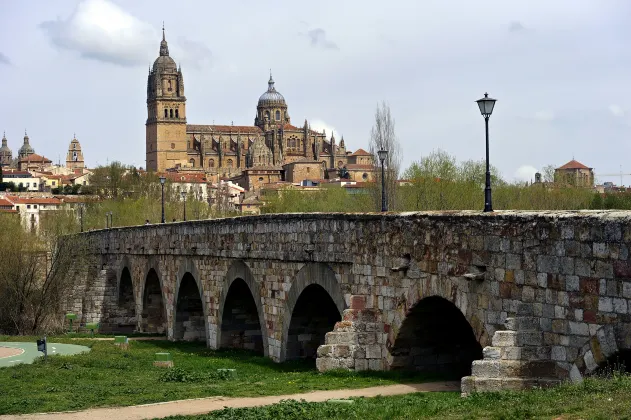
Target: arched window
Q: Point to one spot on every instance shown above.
(171, 113)
(211, 163)
(277, 115)
(177, 114)
(229, 163)
(267, 114)
(324, 164)
(340, 164)
(166, 113)
(192, 162)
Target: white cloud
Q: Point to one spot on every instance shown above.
(101, 30)
(545, 115)
(319, 125)
(616, 110)
(525, 173)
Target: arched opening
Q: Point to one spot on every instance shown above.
(314, 315)
(153, 310)
(189, 312)
(171, 113)
(177, 113)
(166, 113)
(192, 162)
(211, 163)
(126, 303)
(277, 115)
(267, 115)
(240, 323)
(435, 337)
(619, 362)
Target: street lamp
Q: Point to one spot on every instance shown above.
(486, 105)
(383, 154)
(183, 193)
(162, 181)
(81, 215)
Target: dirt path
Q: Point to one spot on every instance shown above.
(204, 405)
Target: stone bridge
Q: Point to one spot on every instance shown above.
(506, 300)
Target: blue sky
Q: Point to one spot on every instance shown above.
(560, 72)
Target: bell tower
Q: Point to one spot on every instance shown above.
(166, 113)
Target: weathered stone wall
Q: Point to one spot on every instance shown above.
(546, 294)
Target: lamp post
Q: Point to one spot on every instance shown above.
(81, 216)
(486, 105)
(162, 181)
(383, 154)
(183, 193)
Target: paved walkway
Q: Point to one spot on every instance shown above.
(29, 351)
(205, 405)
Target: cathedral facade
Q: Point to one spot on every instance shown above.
(268, 148)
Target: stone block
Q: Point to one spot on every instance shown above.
(522, 323)
(491, 353)
(373, 351)
(558, 353)
(485, 368)
(504, 339)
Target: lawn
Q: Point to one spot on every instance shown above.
(108, 376)
(594, 399)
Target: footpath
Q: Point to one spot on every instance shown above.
(205, 405)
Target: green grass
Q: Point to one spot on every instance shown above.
(594, 399)
(109, 376)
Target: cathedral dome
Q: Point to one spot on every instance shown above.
(271, 97)
(26, 148)
(164, 61)
(4, 148)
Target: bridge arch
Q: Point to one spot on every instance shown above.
(190, 320)
(153, 313)
(434, 337)
(608, 342)
(241, 296)
(314, 304)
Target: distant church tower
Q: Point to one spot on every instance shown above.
(6, 156)
(74, 158)
(166, 113)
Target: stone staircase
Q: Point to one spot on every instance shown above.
(516, 360)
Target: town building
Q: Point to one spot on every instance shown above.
(22, 179)
(574, 173)
(269, 151)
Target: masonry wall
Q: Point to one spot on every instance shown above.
(546, 294)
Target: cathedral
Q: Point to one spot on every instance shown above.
(270, 150)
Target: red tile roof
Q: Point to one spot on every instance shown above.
(35, 158)
(5, 203)
(34, 200)
(574, 164)
(361, 152)
(189, 178)
(245, 129)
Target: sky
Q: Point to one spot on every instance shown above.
(559, 70)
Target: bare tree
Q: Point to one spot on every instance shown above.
(383, 137)
(36, 274)
(548, 173)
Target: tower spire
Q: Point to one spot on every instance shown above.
(163, 37)
(164, 48)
